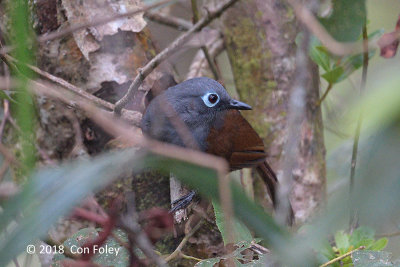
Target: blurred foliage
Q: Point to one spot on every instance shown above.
(344, 243)
(108, 258)
(21, 35)
(52, 192)
(346, 19)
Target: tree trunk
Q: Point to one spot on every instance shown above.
(260, 41)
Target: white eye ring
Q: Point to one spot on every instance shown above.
(210, 99)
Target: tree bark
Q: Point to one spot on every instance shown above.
(260, 41)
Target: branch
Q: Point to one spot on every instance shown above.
(174, 22)
(204, 48)
(172, 48)
(60, 33)
(178, 250)
(341, 257)
(353, 214)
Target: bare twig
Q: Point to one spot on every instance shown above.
(67, 85)
(129, 115)
(174, 22)
(204, 48)
(178, 249)
(341, 257)
(328, 89)
(97, 22)
(199, 64)
(146, 70)
(353, 213)
(295, 119)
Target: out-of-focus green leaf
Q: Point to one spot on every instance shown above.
(333, 75)
(346, 20)
(51, 193)
(242, 233)
(360, 234)
(319, 54)
(342, 241)
(368, 258)
(379, 244)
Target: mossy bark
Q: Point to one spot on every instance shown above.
(260, 41)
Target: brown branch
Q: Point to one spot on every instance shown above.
(97, 22)
(172, 48)
(328, 89)
(129, 115)
(204, 48)
(178, 249)
(66, 85)
(174, 22)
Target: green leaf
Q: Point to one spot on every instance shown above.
(379, 244)
(342, 241)
(242, 233)
(51, 193)
(334, 75)
(319, 54)
(361, 234)
(347, 19)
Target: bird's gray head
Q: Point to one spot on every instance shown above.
(202, 95)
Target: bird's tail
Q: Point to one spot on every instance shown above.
(271, 181)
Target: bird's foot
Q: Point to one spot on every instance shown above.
(182, 202)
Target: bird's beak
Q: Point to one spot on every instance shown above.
(234, 104)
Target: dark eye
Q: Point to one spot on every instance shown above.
(212, 98)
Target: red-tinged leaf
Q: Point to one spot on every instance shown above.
(158, 222)
(389, 42)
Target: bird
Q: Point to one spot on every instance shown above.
(215, 124)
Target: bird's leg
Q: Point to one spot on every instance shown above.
(183, 202)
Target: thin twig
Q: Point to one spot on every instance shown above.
(172, 48)
(97, 22)
(174, 22)
(178, 250)
(67, 85)
(187, 257)
(196, 17)
(328, 89)
(341, 257)
(353, 214)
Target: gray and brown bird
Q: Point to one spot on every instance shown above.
(215, 124)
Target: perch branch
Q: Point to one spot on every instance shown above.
(172, 48)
